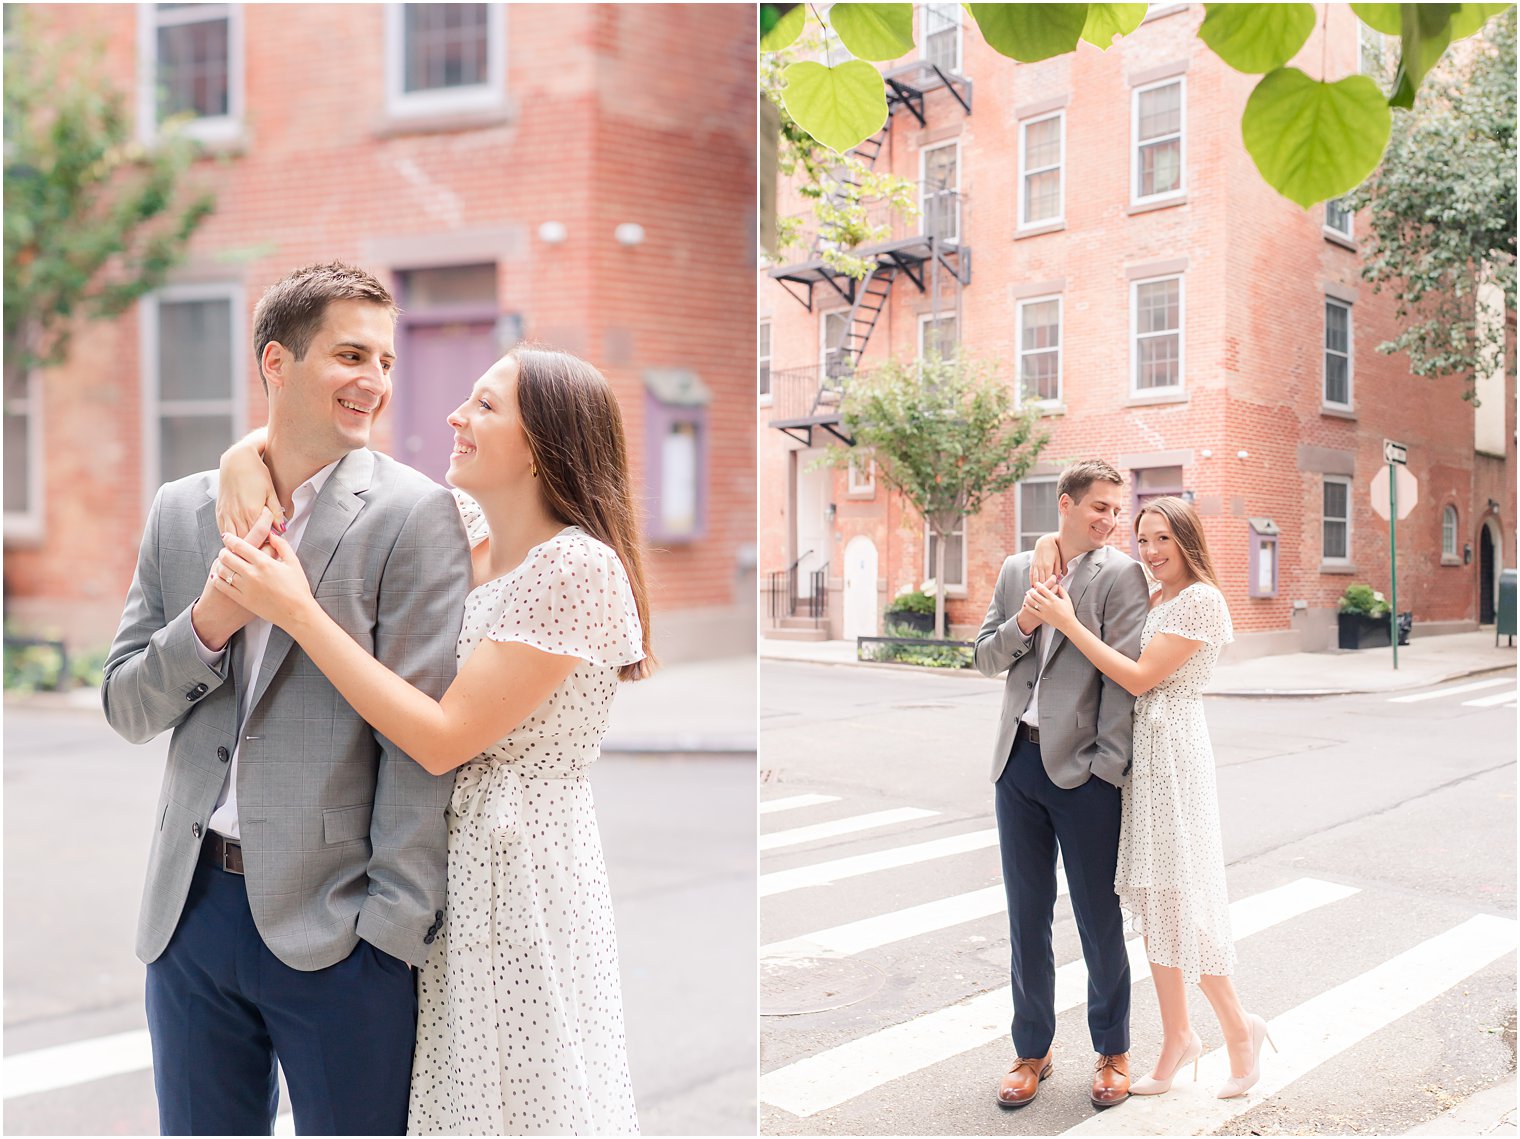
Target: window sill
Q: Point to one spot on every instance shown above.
(1147, 206)
(1337, 412)
(860, 495)
(1450, 560)
(1047, 407)
(1151, 399)
(437, 120)
(767, 400)
(1038, 229)
(1336, 237)
(1343, 568)
(23, 532)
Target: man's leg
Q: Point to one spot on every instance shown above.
(1087, 822)
(1028, 845)
(344, 1036)
(213, 1063)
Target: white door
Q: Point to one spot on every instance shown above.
(859, 588)
(812, 520)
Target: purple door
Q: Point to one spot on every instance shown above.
(438, 364)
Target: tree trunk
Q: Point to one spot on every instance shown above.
(939, 583)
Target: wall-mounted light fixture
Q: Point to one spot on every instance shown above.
(1467, 553)
(1242, 454)
(629, 233)
(831, 512)
(1493, 507)
(552, 232)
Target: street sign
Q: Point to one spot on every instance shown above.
(1409, 491)
(1394, 453)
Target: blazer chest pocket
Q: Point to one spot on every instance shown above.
(350, 603)
(346, 824)
(340, 587)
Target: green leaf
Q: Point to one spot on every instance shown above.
(1313, 140)
(1385, 18)
(1426, 32)
(839, 106)
(1030, 32)
(1106, 22)
(874, 31)
(786, 30)
(1256, 38)
(1471, 17)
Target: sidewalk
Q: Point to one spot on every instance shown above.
(1422, 662)
(1489, 1112)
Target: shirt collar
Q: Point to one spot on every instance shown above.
(306, 494)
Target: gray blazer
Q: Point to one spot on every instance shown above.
(343, 835)
(1086, 720)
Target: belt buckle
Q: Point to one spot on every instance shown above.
(226, 850)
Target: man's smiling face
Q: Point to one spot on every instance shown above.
(329, 400)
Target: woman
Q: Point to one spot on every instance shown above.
(520, 1024)
(1171, 861)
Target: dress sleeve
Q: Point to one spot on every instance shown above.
(572, 598)
(1199, 614)
(474, 518)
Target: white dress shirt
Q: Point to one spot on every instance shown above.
(224, 820)
(1046, 634)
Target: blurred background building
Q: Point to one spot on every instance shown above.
(578, 175)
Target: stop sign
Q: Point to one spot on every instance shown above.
(1409, 491)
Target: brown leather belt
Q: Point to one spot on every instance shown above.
(1030, 733)
(223, 853)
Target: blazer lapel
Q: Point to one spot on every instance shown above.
(1086, 572)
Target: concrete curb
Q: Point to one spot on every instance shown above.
(1489, 1112)
(1444, 678)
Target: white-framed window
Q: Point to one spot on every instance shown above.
(1155, 320)
(190, 62)
(1042, 170)
(940, 27)
(955, 558)
(1449, 532)
(862, 475)
(23, 454)
(1039, 352)
(1335, 541)
(1158, 122)
(194, 349)
(1337, 217)
(1038, 512)
(938, 334)
(444, 58)
(832, 329)
(939, 190)
(763, 381)
(1337, 389)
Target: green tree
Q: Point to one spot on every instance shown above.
(1442, 210)
(93, 218)
(947, 435)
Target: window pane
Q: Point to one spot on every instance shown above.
(955, 569)
(194, 358)
(456, 285)
(1336, 496)
(17, 473)
(1448, 531)
(1042, 196)
(1041, 376)
(1159, 365)
(1041, 325)
(1160, 111)
(445, 46)
(191, 443)
(1042, 143)
(1160, 167)
(1157, 306)
(1335, 539)
(1336, 322)
(1037, 512)
(1337, 217)
(1337, 384)
(192, 68)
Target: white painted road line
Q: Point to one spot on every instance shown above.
(832, 1077)
(64, 1065)
(1491, 701)
(791, 802)
(836, 827)
(1457, 691)
(1317, 1031)
(827, 873)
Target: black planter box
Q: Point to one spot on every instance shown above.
(918, 622)
(1358, 631)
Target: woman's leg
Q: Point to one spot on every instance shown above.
(1220, 992)
(1176, 1030)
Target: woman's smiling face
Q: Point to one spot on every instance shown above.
(1160, 552)
(490, 446)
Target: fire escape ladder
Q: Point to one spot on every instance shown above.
(870, 299)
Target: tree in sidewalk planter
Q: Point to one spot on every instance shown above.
(1311, 139)
(93, 217)
(945, 432)
(1441, 211)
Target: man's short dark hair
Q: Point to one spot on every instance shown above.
(1077, 478)
(293, 308)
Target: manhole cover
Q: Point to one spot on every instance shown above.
(790, 986)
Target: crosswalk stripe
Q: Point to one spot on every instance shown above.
(832, 1077)
(1457, 691)
(883, 929)
(835, 827)
(1317, 1031)
(78, 1062)
(1490, 701)
(791, 802)
(827, 873)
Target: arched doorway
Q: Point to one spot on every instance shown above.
(860, 588)
(1488, 572)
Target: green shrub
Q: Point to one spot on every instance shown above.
(914, 601)
(929, 654)
(1364, 600)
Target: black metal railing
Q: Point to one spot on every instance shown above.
(784, 601)
(940, 215)
(815, 389)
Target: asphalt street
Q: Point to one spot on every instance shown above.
(679, 834)
(1370, 846)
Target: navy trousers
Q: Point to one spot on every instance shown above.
(1034, 818)
(221, 1007)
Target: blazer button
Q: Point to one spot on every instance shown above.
(1028, 684)
(196, 693)
(195, 829)
(223, 754)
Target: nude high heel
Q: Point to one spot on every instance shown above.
(1147, 1085)
(1239, 1085)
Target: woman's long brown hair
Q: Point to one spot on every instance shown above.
(1187, 533)
(575, 433)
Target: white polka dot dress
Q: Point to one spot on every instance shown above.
(1171, 861)
(520, 1021)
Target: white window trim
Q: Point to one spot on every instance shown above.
(861, 484)
(1325, 559)
(1025, 172)
(766, 397)
(487, 96)
(1134, 142)
(1135, 390)
(211, 128)
(927, 318)
(1018, 351)
(27, 525)
(1324, 377)
(823, 338)
(1349, 232)
(960, 36)
(923, 182)
(152, 407)
(1018, 502)
(1456, 521)
(952, 589)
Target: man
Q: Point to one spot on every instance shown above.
(298, 863)
(1062, 752)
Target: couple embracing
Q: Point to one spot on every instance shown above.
(1103, 754)
(376, 856)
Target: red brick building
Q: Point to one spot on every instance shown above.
(581, 175)
(1094, 226)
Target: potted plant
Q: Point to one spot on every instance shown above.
(912, 609)
(1362, 618)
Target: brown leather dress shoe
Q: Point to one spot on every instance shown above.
(1110, 1083)
(1022, 1083)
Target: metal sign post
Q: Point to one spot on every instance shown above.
(1394, 453)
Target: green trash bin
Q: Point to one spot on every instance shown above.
(1504, 619)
